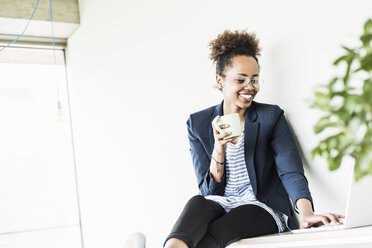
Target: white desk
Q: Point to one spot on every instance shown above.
(348, 238)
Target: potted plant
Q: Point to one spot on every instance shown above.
(346, 102)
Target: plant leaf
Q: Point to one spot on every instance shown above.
(334, 163)
(349, 50)
(366, 40)
(366, 62)
(368, 26)
(338, 60)
(323, 123)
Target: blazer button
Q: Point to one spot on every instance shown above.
(264, 200)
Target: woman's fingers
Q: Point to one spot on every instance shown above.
(336, 218)
(220, 136)
(323, 219)
(223, 135)
(221, 126)
(341, 216)
(225, 141)
(313, 220)
(333, 218)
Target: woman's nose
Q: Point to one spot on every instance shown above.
(249, 85)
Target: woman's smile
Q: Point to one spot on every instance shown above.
(246, 97)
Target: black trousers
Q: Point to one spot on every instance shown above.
(204, 223)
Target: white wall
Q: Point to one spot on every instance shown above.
(137, 69)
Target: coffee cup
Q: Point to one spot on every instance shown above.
(233, 120)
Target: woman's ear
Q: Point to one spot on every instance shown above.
(219, 81)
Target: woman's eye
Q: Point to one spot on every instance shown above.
(240, 81)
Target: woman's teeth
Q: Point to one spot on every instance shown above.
(246, 96)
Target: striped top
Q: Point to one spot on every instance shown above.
(238, 190)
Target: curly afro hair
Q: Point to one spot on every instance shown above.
(230, 44)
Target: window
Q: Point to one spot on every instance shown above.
(39, 199)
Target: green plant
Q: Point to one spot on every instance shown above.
(346, 102)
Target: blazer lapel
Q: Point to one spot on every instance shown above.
(250, 139)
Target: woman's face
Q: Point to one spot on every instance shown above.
(240, 83)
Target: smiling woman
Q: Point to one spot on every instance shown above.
(243, 180)
(236, 83)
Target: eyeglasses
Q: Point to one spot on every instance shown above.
(244, 80)
(255, 80)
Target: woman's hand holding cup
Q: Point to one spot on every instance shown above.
(220, 143)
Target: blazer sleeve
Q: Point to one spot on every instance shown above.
(201, 162)
(288, 161)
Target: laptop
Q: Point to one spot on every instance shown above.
(358, 206)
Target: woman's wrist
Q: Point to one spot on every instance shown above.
(220, 150)
(218, 162)
(218, 156)
(304, 207)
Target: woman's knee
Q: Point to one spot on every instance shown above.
(175, 243)
(197, 200)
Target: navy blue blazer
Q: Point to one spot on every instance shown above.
(271, 156)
